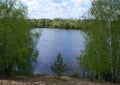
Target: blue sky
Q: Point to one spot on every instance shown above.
(57, 8)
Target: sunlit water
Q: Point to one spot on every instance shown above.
(69, 43)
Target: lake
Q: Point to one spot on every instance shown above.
(69, 43)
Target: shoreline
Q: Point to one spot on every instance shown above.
(40, 79)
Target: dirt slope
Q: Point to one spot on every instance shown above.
(47, 80)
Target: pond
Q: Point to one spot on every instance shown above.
(69, 43)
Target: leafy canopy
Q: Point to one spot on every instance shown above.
(102, 53)
(17, 48)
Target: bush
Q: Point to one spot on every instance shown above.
(75, 74)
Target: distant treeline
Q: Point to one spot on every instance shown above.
(58, 23)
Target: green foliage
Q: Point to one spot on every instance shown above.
(102, 53)
(17, 48)
(58, 66)
(56, 23)
(75, 74)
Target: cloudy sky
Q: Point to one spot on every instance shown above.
(57, 8)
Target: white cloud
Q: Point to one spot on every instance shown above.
(56, 8)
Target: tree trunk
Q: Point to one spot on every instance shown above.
(58, 76)
(7, 70)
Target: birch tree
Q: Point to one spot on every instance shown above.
(102, 54)
(17, 48)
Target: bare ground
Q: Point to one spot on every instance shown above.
(48, 80)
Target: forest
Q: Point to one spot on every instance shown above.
(59, 23)
(100, 59)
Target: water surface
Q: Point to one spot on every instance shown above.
(52, 41)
